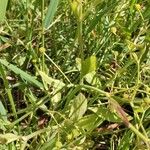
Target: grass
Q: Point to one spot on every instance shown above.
(75, 75)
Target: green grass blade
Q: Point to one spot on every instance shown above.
(3, 5)
(52, 8)
(21, 73)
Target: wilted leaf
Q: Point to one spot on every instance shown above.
(119, 111)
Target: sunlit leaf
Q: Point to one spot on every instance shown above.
(90, 122)
(105, 114)
(54, 83)
(3, 5)
(88, 65)
(78, 107)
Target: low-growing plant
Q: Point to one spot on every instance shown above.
(74, 74)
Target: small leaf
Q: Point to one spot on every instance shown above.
(105, 114)
(3, 112)
(50, 143)
(56, 98)
(88, 65)
(92, 79)
(97, 18)
(135, 57)
(54, 83)
(78, 63)
(79, 107)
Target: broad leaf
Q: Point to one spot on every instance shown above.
(78, 107)
(90, 122)
(88, 65)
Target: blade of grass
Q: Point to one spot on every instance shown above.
(52, 8)
(3, 5)
(21, 73)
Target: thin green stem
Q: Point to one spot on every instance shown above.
(80, 38)
(8, 91)
(146, 140)
(42, 34)
(57, 68)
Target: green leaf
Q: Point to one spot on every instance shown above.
(88, 65)
(54, 83)
(90, 122)
(92, 79)
(3, 5)
(105, 114)
(3, 112)
(56, 98)
(21, 73)
(52, 8)
(78, 107)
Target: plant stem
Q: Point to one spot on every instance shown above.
(8, 91)
(80, 38)
(42, 34)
